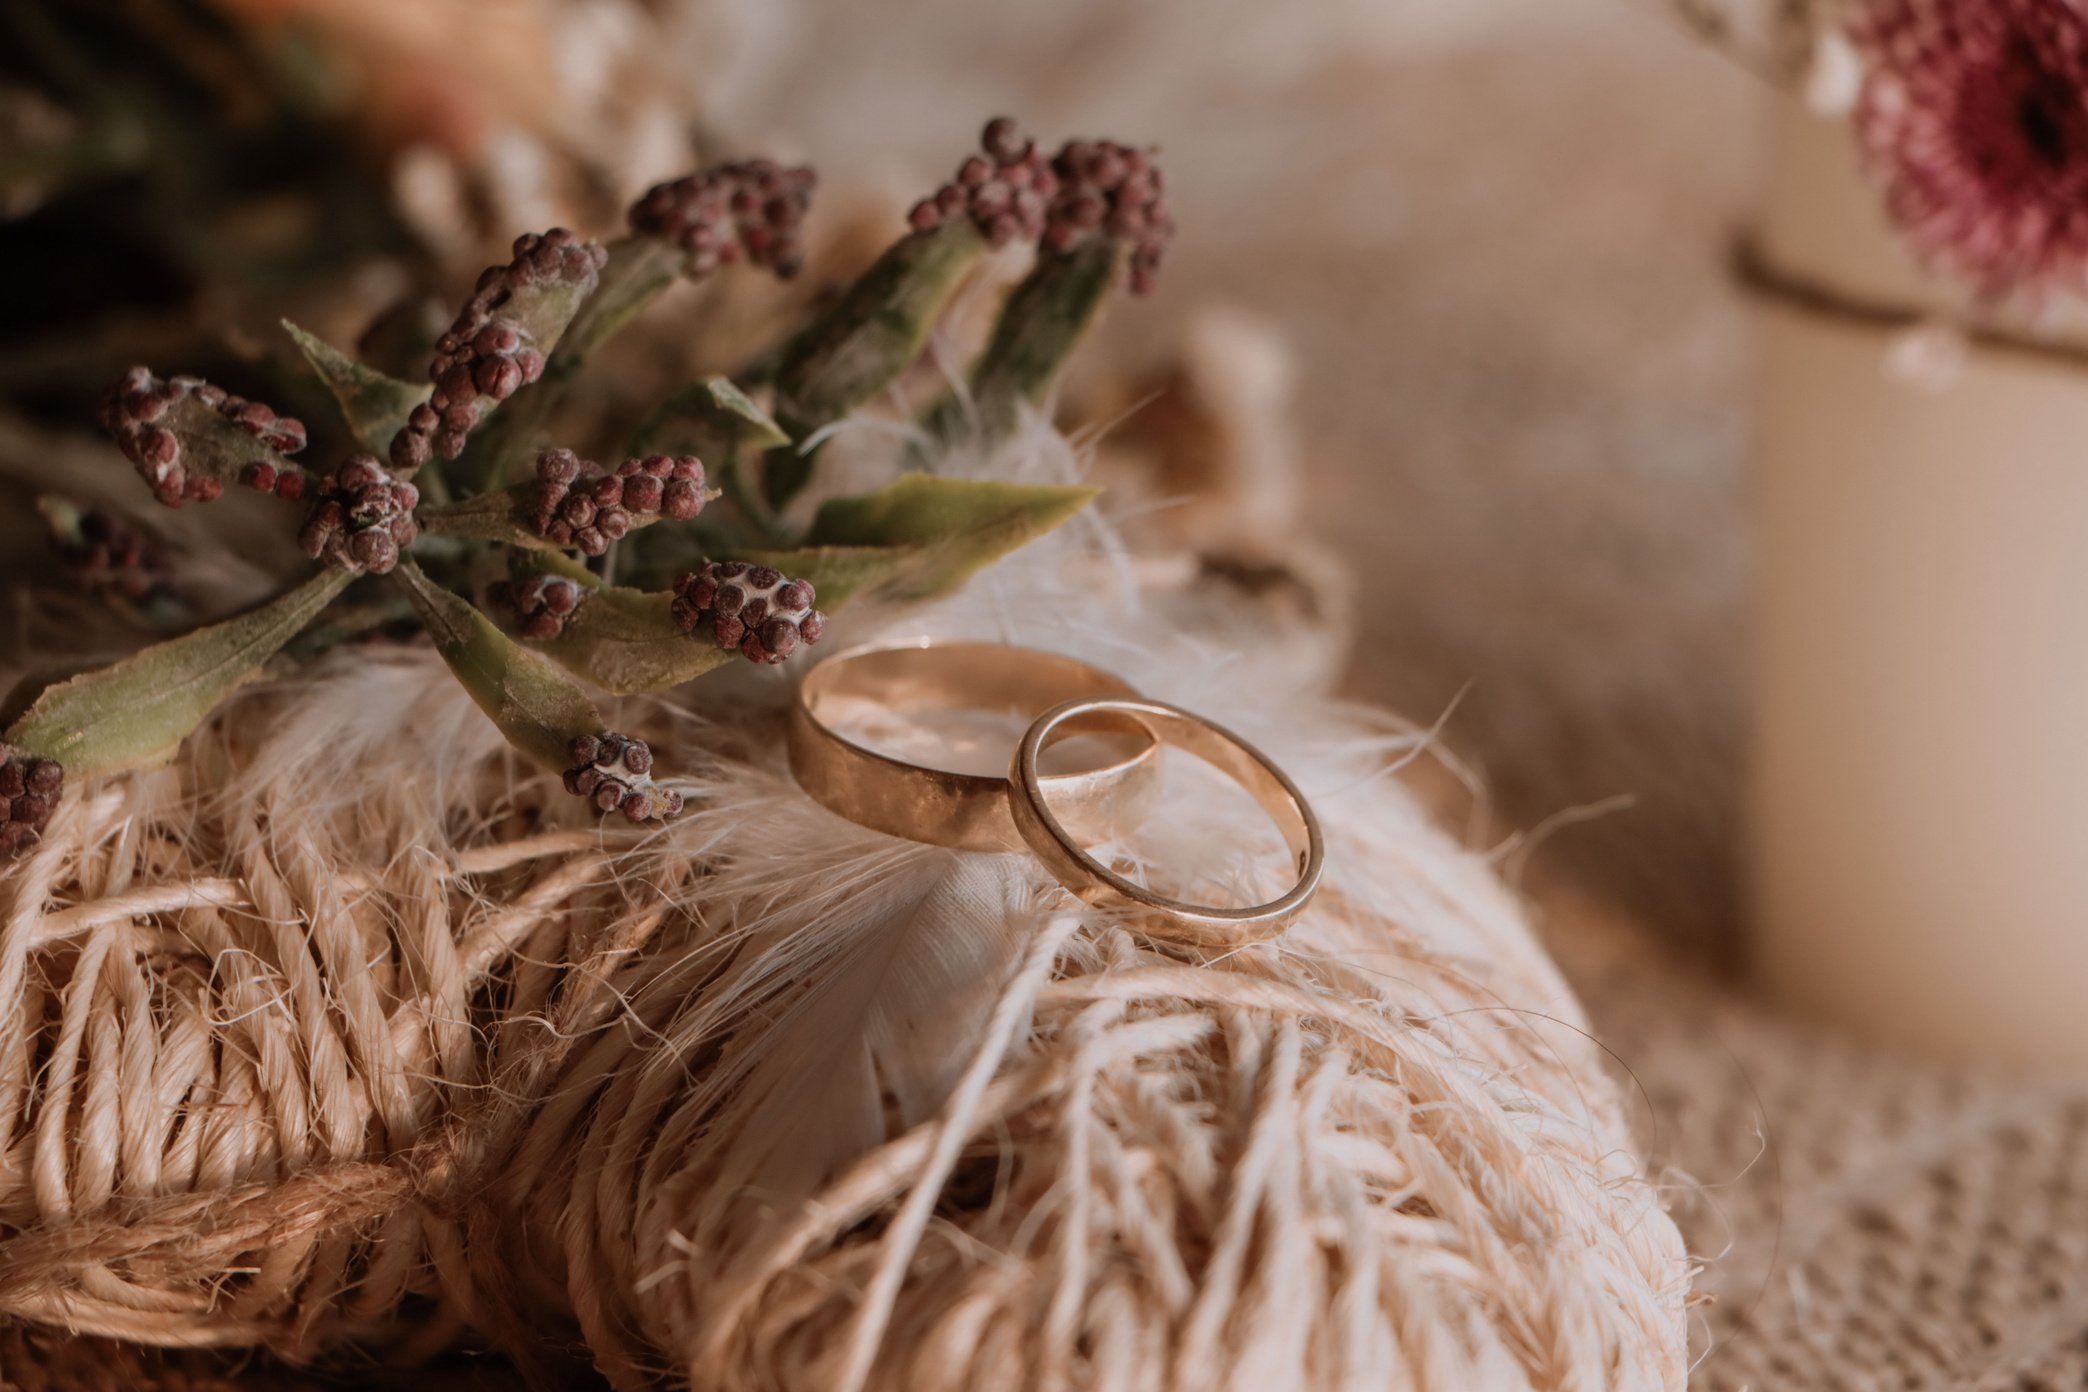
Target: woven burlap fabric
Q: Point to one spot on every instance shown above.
(1866, 1221)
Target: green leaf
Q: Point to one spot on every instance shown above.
(22, 695)
(840, 573)
(638, 269)
(626, 642)
(136, 712)
(956, 525)
(860, 345)
(1039, 326)
(711, 419)
(500, 515)
(536, 707)
(374, 405)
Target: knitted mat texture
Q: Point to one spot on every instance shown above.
(1866, 1221)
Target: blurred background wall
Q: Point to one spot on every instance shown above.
(1494, 233)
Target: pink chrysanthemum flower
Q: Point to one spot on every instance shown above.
(1975, 113)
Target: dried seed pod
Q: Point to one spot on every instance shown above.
(1004, 193)
(1091, 188)
(578, 504)
(681, 490)
(489, 353)
(752, 210)
(759, 610)
(541, 604)
(187, 437)
(30, 789)
(1110, 190)
(614, 772)
(363, 519)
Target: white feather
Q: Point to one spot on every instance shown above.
(874, 1040)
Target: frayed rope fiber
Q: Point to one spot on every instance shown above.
(334, 1035)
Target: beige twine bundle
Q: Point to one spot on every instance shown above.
(345, 1031)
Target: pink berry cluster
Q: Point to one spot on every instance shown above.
(109, 556)
(614, 772)
(754, 209)
(487, 355)
(541, 604)
(364, 518)
(1114, 191)
(1090, 188)
(578, 504)
(135, 413)
(757, 609)
(29, 791)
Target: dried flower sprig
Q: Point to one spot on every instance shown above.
(753, 209)
(758, 610)
(1091, 189)
(614, 772)
(1004, 191)
(1113, 192)
(749, 212)
(452, 478)
(577, 504)
(1086, 208)
(1104, 207)
(189, 438)
(497, 344)
(364, 520)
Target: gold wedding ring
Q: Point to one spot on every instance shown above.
(1038, 816)
(963, 810)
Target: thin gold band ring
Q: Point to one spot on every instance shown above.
(1030, 801)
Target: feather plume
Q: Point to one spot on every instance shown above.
(872, 1043)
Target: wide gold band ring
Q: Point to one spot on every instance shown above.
(1038, 819)
(963, 810)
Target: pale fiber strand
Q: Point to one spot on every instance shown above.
(874, 1313)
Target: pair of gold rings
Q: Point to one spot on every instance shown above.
(1055, 815)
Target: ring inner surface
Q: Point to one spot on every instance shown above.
(960, 707)
(1228, 760)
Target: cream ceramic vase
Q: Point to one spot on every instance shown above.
(1920, 769)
